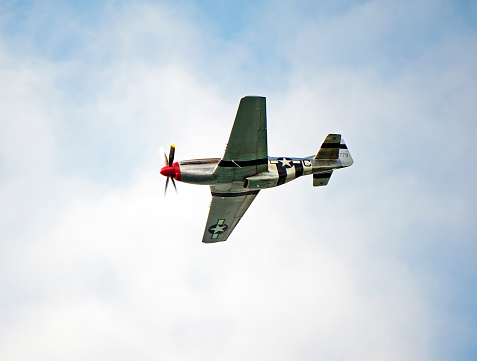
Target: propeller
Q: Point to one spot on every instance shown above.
(169, 170)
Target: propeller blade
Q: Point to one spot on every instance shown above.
(165, 189)
(171, 155)
(174, 184)
(163, 154)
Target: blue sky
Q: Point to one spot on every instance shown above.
(96, 264)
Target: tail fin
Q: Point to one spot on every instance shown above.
(333, 149)
(330, 148)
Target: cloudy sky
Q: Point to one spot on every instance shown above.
(95, 264)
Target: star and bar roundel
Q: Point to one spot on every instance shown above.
(218, 228)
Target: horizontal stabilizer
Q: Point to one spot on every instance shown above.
(321, 179)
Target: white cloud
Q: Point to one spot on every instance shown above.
(123, 270)
(95, 268)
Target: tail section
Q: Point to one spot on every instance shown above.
(334, 148)
(333, 154)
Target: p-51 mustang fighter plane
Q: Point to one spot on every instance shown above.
(246, 168)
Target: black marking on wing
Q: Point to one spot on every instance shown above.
(217, 194)
(242, 163)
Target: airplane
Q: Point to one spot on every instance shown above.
(245, 169)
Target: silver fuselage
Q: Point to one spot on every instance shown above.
(281, 170)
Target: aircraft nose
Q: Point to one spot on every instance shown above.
(168, 171)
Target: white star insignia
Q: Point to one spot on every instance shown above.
(285, 162)
(218, 228)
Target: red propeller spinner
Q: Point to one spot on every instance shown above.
(171, 170)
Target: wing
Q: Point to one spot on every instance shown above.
(247, 146)
(225, 212)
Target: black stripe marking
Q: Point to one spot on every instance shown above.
(322, 175)
(215, 194)
(242, 163)
(298, 169)
(282, 174)
(333, 145)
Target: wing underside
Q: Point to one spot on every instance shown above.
(245, 156)
(246, 153)
(226, 210)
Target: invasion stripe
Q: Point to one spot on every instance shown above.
(333, 145)
(215, 194)
(282, 175)
(242, 163)
(298, 170)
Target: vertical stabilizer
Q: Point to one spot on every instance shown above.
(330, 149)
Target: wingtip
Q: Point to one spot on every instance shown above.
(253, 96)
